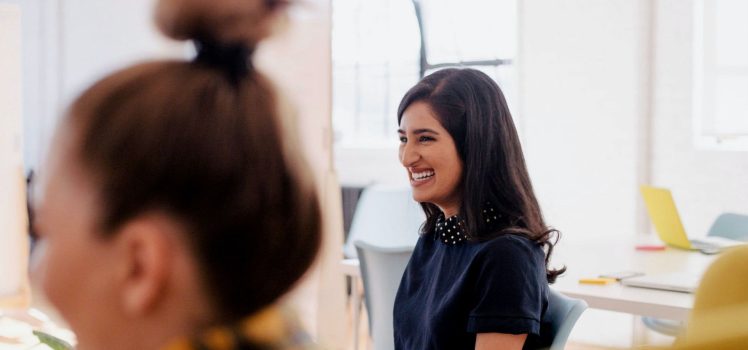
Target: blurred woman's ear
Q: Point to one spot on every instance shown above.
(144, 265)
(154, 259)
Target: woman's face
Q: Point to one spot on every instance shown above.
(73, 264)
(430, 156)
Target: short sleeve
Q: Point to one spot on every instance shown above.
(511, 290)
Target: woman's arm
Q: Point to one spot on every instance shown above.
(499, 341)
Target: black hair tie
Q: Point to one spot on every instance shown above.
(233, 59)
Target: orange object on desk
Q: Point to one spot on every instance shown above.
(598, 280)
(650, 247)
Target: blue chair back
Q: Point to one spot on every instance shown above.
(562, 314)
(381, 270)
(730, 225)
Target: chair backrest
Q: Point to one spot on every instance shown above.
(385, 216)
(382, 269)
(720, 307)
(729, 225)
(563, 312)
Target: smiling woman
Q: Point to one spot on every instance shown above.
(478, 277)
(431, 158)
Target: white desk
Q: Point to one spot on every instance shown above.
(592, 257)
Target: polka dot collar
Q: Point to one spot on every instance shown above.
(451, 231)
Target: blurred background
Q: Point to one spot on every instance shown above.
(606, 94)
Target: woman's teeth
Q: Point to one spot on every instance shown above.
(422, 175)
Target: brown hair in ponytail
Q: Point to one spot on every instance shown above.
(181, 137)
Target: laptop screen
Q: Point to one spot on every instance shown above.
(664, 216)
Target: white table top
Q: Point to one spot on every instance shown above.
(593, 257)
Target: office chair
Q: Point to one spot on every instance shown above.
(730, 225)
(720, 306)
(562, 314)
(381, 269)
(727, 225)
(385, 216)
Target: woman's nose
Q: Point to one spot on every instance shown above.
(408, 155)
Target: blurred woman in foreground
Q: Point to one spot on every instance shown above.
(174, 212)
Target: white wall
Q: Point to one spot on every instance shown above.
(98, 37)
(68, 45)
(39, 87)
(704, 183)
(13, 220)
(580, 65)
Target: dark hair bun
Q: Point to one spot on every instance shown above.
(224, 21)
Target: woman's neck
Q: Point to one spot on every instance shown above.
(450, 211)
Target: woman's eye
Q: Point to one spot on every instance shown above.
(403, 139)
(425, 139)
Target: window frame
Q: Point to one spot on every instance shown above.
(702, 137)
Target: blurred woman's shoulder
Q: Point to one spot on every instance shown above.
(276, 327)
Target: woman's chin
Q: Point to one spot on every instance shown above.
(421, 196)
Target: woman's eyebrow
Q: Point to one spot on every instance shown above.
(418, 131)
(424, 131)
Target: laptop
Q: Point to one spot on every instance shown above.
(684, 282)
(667, 223)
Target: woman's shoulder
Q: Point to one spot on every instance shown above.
(510, 241)
(511, 247)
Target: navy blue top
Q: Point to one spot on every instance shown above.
(449, 293)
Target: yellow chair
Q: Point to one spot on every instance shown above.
(720, 313)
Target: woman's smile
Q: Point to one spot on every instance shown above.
(421, 177)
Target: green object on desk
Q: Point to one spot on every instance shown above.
(52, 341)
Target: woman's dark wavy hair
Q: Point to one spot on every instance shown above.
(472, 108)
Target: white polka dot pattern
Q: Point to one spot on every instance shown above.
(451, 231)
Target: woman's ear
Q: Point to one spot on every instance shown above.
(146, 247)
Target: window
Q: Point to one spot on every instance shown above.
(721, 74)
(376, 57)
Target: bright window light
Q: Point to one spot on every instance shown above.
(376, 55)
(721, 74)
